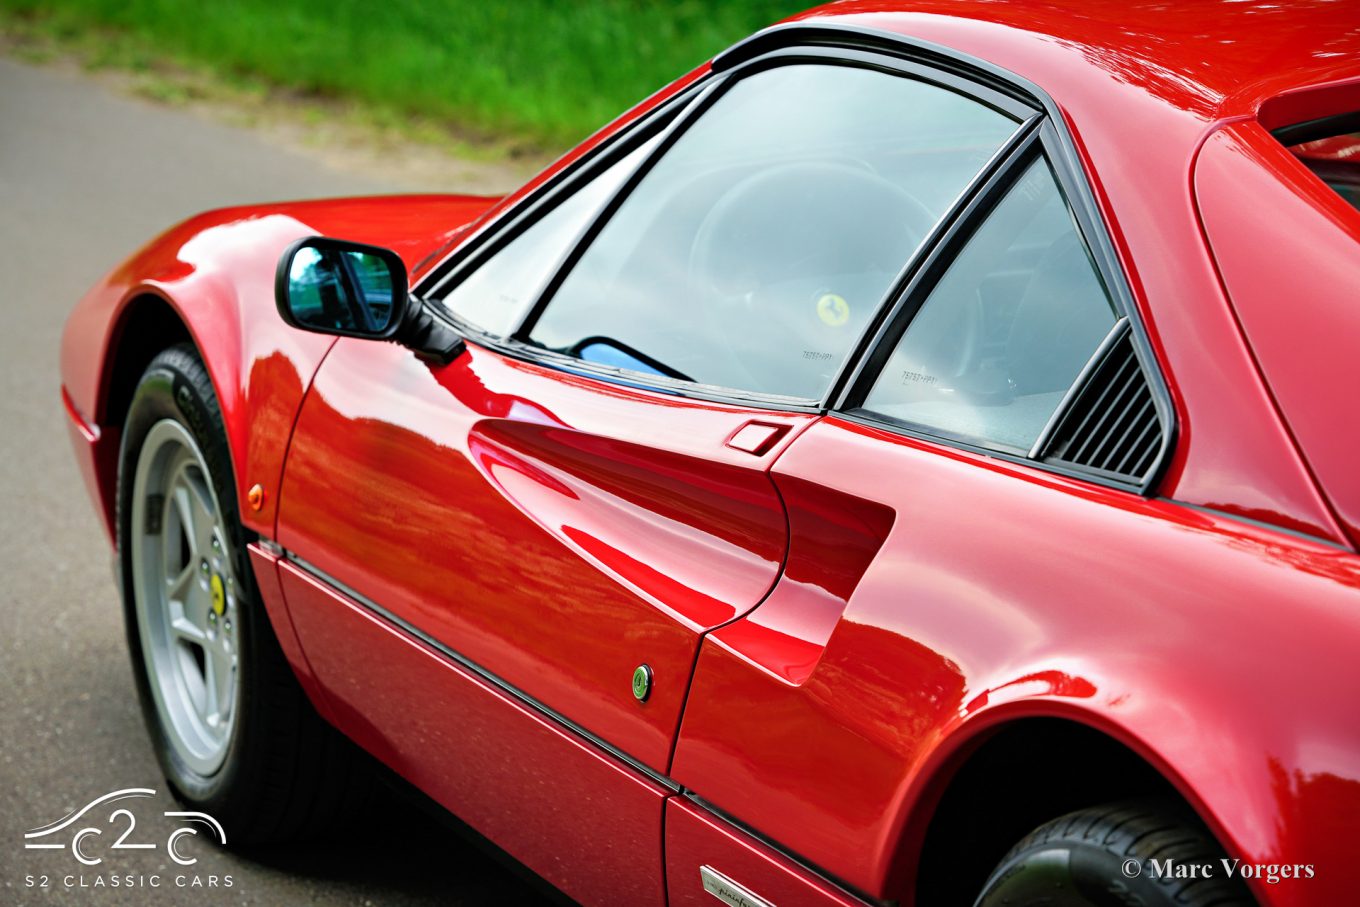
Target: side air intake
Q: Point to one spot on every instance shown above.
(1112, 428)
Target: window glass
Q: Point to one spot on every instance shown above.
(1336, 161)
(496, 295)
(754, 251)
(1006, 330)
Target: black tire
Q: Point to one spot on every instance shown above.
(1102, 857)
(286, 774)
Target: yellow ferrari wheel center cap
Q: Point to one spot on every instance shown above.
(219, 594)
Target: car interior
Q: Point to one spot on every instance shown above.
(1336, 161)
(1007, 329)
(753, 253)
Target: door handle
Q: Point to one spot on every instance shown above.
(756, 437)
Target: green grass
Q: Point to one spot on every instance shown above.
(537, 71)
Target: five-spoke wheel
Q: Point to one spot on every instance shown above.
(185, 588)
(232, 729)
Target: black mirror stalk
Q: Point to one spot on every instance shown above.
(432, 339)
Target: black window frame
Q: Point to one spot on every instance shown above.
(1041, 132)
(1041, 142)
(722, 82)
(507, 226)
(1047, 140)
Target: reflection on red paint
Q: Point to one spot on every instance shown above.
(559, 544)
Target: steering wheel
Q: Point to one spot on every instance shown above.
(809, 225)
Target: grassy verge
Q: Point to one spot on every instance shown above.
(540, 73)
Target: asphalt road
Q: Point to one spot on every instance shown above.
(87, 176)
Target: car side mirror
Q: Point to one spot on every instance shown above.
(336, 287)
(333, 286)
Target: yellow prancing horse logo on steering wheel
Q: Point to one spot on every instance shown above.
(833, 310)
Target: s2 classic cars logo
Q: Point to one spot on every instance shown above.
(107, 824)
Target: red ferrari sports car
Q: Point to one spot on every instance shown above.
(904, 461)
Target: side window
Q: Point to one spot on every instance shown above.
(1335, 159)
(1006, 330)
(755, 250)
(497, 294)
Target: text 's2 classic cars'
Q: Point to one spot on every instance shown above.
(910, 459)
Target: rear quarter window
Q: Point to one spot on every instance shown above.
(1335, 159)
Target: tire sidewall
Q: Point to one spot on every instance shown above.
(1089, 876)
(175, 386)
(1101, 857)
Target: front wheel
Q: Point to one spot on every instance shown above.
(1150, 854)
(231, 728)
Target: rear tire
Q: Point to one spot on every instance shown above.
(1101, 857)
(231, 728)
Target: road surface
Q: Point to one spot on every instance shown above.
(87, 176)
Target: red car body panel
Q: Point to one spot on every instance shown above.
(1300, 320)
(695, 838)
(265, 565)
(1121, 73)
(964, 600)
(628, 525)
(575, 816)
(845, 663)
(216, 271)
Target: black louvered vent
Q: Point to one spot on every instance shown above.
(1112, 427)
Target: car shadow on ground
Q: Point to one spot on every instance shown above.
(405, 850)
